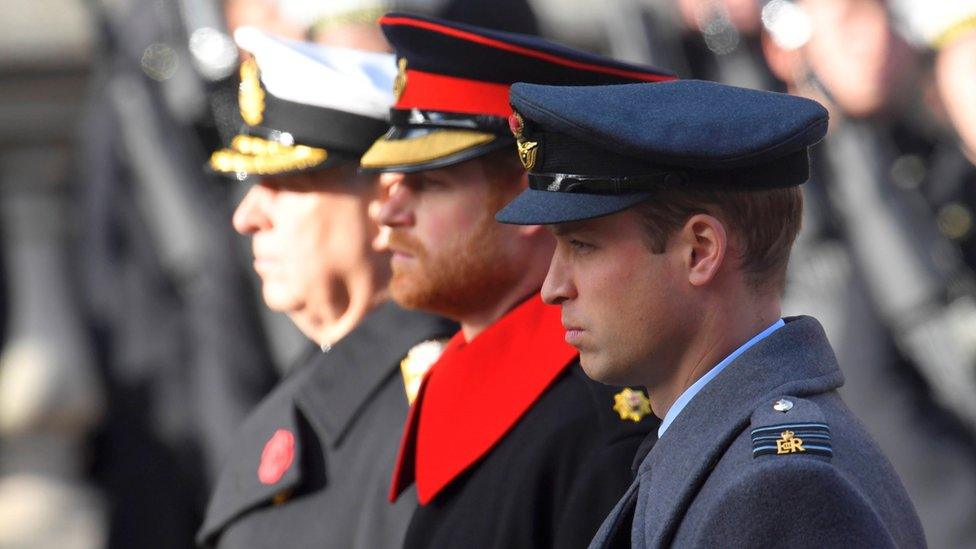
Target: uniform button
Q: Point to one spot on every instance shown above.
(783, 405)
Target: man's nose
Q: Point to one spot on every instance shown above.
(558, 286)
(394, 201)
(251, 214)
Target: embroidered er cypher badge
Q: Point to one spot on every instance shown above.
(792, 439)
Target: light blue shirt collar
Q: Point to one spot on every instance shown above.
(690, 392)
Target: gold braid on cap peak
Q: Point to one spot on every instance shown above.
(955, 31)
(363, 16)
(249, 154)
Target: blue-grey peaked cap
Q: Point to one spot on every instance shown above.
(599, 149)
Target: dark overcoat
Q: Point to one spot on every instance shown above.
(312, 464)
(730, 472)
(547, 483)
(511, 446)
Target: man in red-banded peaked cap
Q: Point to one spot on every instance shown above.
(508, 444)
(451, 95)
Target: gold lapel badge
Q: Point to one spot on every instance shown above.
(789, 443)
(631, 404)
(400, 82)
(250, 95)
(419, 359)
(527, 150)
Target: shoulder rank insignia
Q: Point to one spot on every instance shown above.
(400, 82)
(631, 404)
(792, 438)
(277, 456)
(527, 150)
(250, 96)
(419, 359)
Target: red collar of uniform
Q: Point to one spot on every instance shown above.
(476, 393)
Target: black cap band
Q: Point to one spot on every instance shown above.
(417, 118)
(318, 126)
(788, 171)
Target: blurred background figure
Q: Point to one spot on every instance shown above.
(133, 343)
(51, 396)
(897, 288)
(170, 311)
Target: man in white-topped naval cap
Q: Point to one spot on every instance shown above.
(311, 464)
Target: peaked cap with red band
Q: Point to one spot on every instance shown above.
(451, 95)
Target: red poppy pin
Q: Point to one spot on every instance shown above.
(527, 150)
(277, 456)
(515, 124)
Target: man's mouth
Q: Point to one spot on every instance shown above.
(262, 263)
(401, 247)
(400, 255)
(574, 334)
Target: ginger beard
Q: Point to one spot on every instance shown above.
(468, 273)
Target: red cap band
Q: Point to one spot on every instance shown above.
(436, 92)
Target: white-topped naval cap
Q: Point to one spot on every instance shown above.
(343, 79)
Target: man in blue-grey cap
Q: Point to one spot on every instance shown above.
(675, 206)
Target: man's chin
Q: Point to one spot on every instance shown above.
(279, 300)
(599, 369)
(407, 294)
(443, 299)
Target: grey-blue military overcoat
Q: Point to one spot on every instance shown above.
(767, 455)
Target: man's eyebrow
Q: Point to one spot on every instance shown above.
(560, 229)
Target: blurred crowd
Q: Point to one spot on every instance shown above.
(132, 341)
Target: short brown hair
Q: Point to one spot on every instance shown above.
(762, 225)
(504, 172)
(502, 165)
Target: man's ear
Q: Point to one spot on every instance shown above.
(704, 242)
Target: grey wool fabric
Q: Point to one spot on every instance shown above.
(345, 410)
(716, 479)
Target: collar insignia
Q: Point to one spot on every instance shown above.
(277, 456)
(526, 149)
(419, 359)
(400, 82)
(631, 405)
(250, 96)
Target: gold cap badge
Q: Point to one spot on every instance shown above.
(526, 149)
(400, 82)
(631, 404)
(250, 96)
